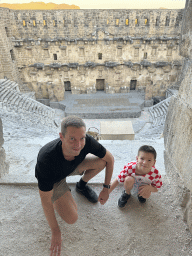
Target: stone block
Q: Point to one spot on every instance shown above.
(110, 90)
(148, 103)
(91, 90)
(44, 101)
(4, 166)
(123, 89)
(116, 130)
(76, 90)
(57, 105)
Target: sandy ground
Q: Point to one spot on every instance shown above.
(155, 228)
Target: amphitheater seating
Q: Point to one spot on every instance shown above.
(158, 112)
(12, 99)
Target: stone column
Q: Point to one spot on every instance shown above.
(178, 126)
(4, 167)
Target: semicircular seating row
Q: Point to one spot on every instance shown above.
(158, 112)
(12, 99)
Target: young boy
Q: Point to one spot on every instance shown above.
(141, 176)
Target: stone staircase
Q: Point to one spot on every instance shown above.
(11, 99)
(158, 113)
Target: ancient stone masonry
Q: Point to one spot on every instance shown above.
(8, 62)
(178, 126)
(4, 167)
(83, 51)
(12, 100)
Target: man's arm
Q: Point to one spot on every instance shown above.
(50, 216)
(109, 159)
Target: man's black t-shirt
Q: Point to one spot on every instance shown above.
(52, 167)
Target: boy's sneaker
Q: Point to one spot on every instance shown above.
(88, 192)
(141, 199)
(123, 199)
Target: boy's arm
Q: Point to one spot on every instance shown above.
(113, 185)
(50, 216)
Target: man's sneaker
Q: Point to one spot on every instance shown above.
(88, 192)
(123, 199)
(141, 199)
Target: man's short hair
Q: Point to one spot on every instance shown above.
(148, 149)
(74, 121)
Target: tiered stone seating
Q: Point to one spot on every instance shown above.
(158, 112)
(12, 99)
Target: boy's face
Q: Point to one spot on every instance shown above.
(145, 161)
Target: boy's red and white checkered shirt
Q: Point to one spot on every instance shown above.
(153, 177)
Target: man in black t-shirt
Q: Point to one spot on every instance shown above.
(73, 153)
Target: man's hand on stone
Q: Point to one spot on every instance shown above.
(56, 243)
(103, 196)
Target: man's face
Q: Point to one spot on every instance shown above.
(145, 161)
(73, 142)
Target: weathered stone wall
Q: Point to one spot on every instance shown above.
(4, 167)
(80, 50)
(8, 63)
(178, 127)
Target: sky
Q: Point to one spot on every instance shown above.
(112, 4)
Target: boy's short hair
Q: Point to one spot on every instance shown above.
(74, 121)
(148, 149)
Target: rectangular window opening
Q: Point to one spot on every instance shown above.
(34, 23)
(154, 51)
(119, 52)
(107, 22)
(169, 52)
(12, 55)
(55, 56)
(46, 53)
(44, 23)
(117, 22)
(127, 22)
(167, 21)
(136, 53)
(81, 52)
(24, 23)
(146, 21)
(100, 56)
(136, 21)
(157, 22)
(145, 55)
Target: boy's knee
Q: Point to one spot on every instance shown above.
(129, 180)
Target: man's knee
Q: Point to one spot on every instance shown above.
(73, 218)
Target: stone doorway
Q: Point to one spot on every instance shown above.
(100, 83)
(133, 84)
(67, 85)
